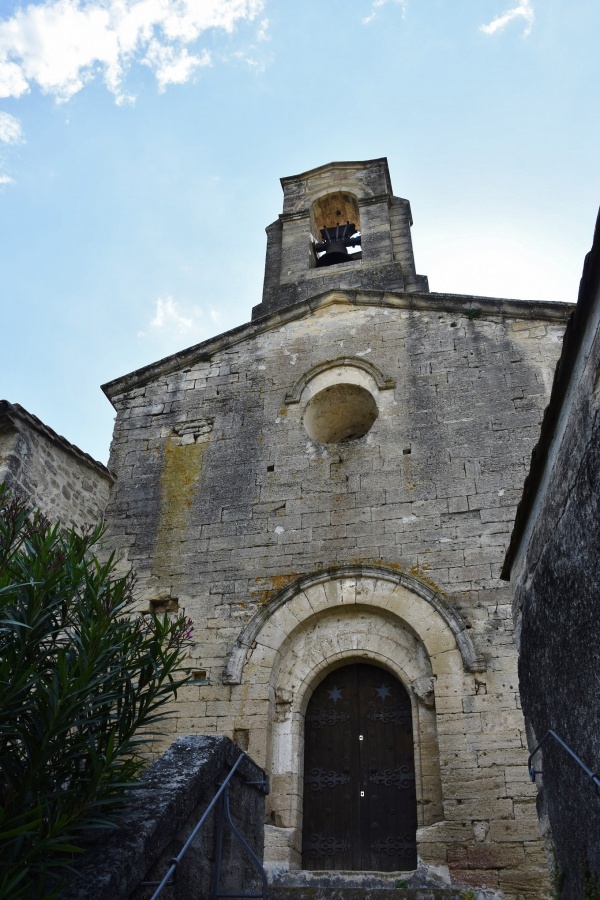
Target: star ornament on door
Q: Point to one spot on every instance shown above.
(383, 692)
(335, 694)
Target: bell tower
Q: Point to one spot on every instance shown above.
(341, 228)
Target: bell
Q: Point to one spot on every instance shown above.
(335, 253)
(335, 242)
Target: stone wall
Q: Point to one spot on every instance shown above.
(229, 511)
(160, 815)
(556, 580)
(65, 483)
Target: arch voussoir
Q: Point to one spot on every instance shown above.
(426, 611)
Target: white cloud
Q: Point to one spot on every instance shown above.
(262, 33)
(12, 81)
(173, 66)
(10, 133)
(169, 317)
(523, 10)
(377, 4)
(10, 129)
(254, 55)
(60, 45)
(171, 322)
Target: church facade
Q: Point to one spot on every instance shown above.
(328, 492)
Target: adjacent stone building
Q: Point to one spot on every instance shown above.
(57, 477)
(328, 491)
(554, 566)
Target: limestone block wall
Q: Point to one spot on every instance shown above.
(230, 511)
(65, 483)
(555, 577)
(400, 222)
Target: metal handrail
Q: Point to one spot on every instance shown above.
(226, 814)
(221, 793)
(533, 772)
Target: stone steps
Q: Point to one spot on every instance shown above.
(367, 886)
(365, 893)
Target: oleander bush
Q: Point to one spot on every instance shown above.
(84, 685)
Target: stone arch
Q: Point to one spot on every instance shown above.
(343, 362)
(357, 189)
(320, 643)
(334, 207)
(418, 606)
(340, 400)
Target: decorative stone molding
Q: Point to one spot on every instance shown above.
(382, 383)
(249, 634)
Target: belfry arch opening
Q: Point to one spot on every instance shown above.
(360, 807)
(335, 229)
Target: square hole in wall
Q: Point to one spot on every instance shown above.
(200, 676)
(241, 737)
(163, 605)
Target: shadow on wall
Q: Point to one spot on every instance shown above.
(554, 566)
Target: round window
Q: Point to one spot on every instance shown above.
(342, 412)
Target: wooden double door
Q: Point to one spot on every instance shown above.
(359, 778)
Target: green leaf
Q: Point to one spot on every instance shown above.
(84, 684)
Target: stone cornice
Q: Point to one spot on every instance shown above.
(475, 307)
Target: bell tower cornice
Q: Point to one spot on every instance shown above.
(340, 171)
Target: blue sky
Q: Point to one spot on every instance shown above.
(142, 142)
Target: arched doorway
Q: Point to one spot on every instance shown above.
(360, 808)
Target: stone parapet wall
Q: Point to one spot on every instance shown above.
(160, 815)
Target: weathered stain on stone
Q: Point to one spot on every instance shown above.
(275, 584)
(180, 475)
(420, 572)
